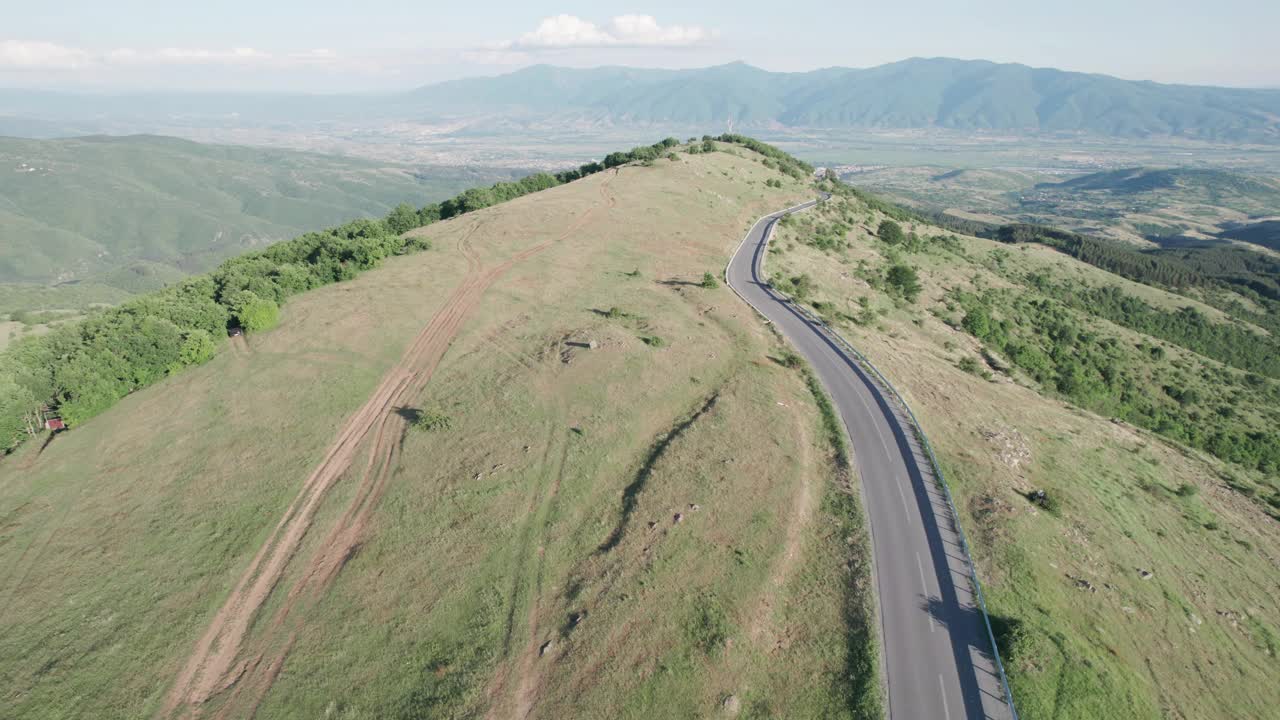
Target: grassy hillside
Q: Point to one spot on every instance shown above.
(527, 475)
(126, 214)
(1142, 583)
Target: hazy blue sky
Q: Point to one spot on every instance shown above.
(326, 45)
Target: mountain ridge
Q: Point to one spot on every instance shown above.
(915, 93)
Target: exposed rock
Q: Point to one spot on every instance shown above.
(1011, 446)
(695, 507)
(546, 647)
(1145, 574)
(731, 705)
(1083, 584)
(678, 518)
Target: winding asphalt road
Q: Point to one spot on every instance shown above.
(936, 652)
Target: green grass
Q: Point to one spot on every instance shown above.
(126, 534)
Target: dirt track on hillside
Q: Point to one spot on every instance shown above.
(217, 662)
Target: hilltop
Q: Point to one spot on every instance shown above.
(511, 462)
(608, 533)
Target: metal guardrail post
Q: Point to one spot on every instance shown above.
(918, 430)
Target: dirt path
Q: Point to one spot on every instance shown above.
(207, 668)
(217, 662)
(239, 346)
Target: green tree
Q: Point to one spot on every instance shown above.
(197, 347)
(428, 214)
(17, 404)
(904, 281)
(402, 219)
(254, 313)
(977, 322)
(890, 232)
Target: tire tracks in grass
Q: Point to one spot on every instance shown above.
(216, 665)
(530, 554)
(541, 501)
(207, 668)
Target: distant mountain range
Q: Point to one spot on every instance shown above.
(963, 95)
(971, 95)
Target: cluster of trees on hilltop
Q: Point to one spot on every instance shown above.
(786, 162)
(81, 369)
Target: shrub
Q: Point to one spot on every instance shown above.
(798, 287)
(890, 232)
(977, 322)
(1045, 500)
(709, 281)
(904, 281)
(653, 341)
(430, 421)
(708, 629)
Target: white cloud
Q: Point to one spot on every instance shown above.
(643, 30)
(27, 55)
(570, 31)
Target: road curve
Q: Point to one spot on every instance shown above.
(936, 653)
